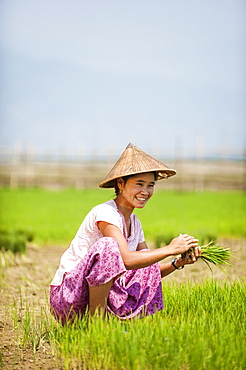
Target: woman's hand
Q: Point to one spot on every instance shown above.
(182, 244)
(189, 258)
(186, 258)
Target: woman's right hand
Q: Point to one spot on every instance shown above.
(182, 244)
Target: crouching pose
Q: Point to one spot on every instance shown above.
(108, 266)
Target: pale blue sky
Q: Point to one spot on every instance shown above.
(87, 76)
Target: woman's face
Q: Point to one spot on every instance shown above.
(137, 190)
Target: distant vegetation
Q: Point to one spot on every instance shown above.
(53, 217)
(15, 240)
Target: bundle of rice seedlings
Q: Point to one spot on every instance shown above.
(216, 254)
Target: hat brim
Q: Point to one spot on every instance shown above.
(160, 175)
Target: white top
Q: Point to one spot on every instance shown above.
(89, 233)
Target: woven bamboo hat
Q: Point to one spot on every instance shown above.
(133, 161)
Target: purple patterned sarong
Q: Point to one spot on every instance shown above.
(133, 293)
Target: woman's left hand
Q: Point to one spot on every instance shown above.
(189, 258)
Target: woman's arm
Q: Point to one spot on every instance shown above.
(189, 258)
(136, 260)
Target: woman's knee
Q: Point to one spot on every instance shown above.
(108, 249)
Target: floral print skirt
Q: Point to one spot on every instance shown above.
(133, 292)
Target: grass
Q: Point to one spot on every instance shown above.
(216, 254)
(54, 216)
(203, 326)
(206, 215)
(15, 240)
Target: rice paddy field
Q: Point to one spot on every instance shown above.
(203, 324)
(54, 216)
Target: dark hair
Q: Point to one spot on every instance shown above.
(116, 188)
(125, 178)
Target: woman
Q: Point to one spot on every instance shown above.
(108, 266)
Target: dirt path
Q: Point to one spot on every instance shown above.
(25, 281)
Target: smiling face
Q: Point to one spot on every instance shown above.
(136, 191)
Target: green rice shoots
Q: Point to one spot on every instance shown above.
(215, 254)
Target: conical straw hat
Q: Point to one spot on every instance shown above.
(132, 161)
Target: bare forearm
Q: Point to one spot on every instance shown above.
(166, 268)
(140, 259)
(169, 267)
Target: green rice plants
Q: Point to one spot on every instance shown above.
(55, 216)
(215, 254)
(202, 326)
(15, 240)
(161, 239)
(28, 234)
(205, 237)
(205, 215)
(31, 329)
(12, 241)
(28, 325)
(165, 239)
(15, 315)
